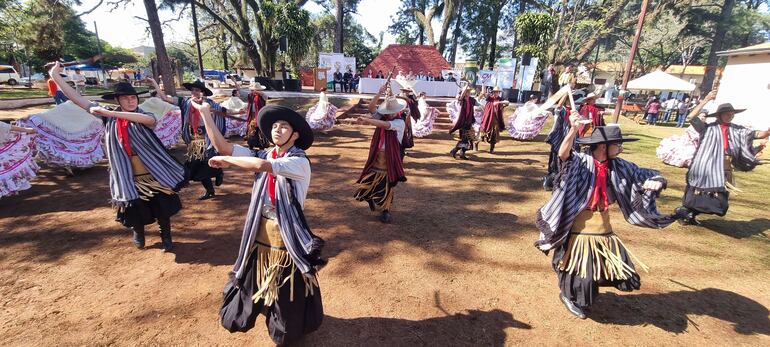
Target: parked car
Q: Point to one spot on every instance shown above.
(38, 77)
(9, 75)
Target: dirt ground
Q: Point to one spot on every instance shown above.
(456, 266)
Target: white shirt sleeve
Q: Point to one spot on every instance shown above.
(294, 168)
(399, 127)
(240, 151)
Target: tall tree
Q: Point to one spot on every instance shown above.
(716, 45)
(164, 64)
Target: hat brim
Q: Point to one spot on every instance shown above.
(204, 89)
(261, 87)
(591, 141)
(272, 113)
(737, 110)
(113, 96)
(383, 109)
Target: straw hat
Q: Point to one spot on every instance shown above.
(256, 86)
(391, 105)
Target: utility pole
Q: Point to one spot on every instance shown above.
(630, 63)
(99, 46)
(197, 40)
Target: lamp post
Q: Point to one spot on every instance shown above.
(630, 63)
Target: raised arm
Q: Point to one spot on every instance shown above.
(376, 99)
(161, 93)
(220, 143)
(65, 88)
(565, 150)
(371, 121)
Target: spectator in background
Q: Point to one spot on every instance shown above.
(354, 82)
(546, 81)
(681, 113)
(55, 92)
(652, 111)
(346, 79)
(439, 77)
(79, 80)
(451, 77)
(671, 105)
(338, 80)
(567, 77)
(379, 75)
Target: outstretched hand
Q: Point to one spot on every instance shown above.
(219, 162)
(56, 69)
(99, 111)
(574, 119)
(204, 106)
(652, 185)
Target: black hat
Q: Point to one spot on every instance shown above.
(726, 107)
(272, 113)
(605, 134)
(200, 85)
(122, 88)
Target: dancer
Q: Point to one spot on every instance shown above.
(323, 114)
(234, 126)
(561, 126)
(144, 177)
(492, 122)
(256, 101)
(412, 114)
(464, 123)
(168, 119)
(723, 146)
(279, 256)
(525, 123)
(424, 126)
(590, 111)
(575, 222)
(199, 147)
(17, 165)
(384, 167)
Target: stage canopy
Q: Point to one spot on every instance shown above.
(659, 80)
(407, 58)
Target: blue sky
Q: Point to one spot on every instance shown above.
(120, 28)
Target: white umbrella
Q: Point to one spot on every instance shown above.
(659, 80)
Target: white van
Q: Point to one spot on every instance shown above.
(9, 75)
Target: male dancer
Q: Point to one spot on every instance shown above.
(575, 222)
(464, 123)
(722, 147)
(279, 257)
(591, 112)
(384, 167)
(199, 147)
(256, 101)
(492, 120)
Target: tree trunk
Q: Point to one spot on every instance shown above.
(559, 27)
(421, 34)
(449, 13)
(339, 27)
(164, 65)
(484, 48)
(456, 33)
(609, 21)
(424, 20)
(493, 33)
(716, 46)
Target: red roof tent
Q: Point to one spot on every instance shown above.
(408, 58)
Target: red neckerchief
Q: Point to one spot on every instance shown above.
(725, 141)
(599, 195)
(195, 117)
(122, 130)
(382, 138)
(271, 178)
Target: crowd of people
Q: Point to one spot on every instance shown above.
(279, 257)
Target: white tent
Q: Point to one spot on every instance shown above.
(659, 80)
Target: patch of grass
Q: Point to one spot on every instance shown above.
(20, 93)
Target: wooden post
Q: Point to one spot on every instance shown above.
(630, 63)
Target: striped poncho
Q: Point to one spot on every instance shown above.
(707, 171)
(572, 193)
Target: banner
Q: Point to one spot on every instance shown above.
(527, 75)
(470, 71)
(487, 78)
(506, 72)
(336, 62)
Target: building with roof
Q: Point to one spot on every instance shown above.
(745, 83)
(406, 58)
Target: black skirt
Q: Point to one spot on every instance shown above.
(706, 202)
(288, 320)
(141, 212)
(199, 169)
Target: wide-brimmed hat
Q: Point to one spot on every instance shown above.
(200, 85)
(605, 134)
(496, 88)
(256, 86)
(122, 88)
(272, 113)
(726, 107)
(391, 105)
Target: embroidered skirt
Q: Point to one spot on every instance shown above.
(594, 256)
(290, 301)
(374, 186)
(155, 202)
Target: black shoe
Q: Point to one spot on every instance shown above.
(218, 180)
(165, 240)
(207, 195)
(385, 217)
(139, 239)
(453, 153)
(371, 204)
(463, 157)
(571, 307)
